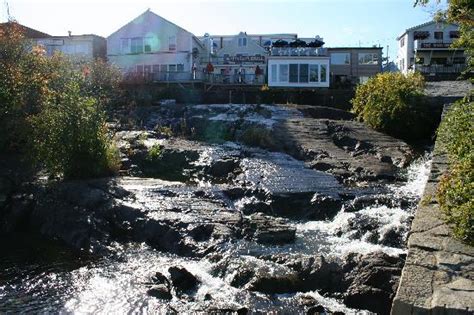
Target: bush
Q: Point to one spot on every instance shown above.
(258, 136)
(456, 188)
(456, 131)
(69, 136)
(456, 198)
(394, 104)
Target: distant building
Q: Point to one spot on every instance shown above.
(298, 64)
(350, 65)
(241, 60)
(154, 48)
(78, 46)
(426, 48)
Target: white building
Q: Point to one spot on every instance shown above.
(426, 48)
(78, 46)
(152, 47)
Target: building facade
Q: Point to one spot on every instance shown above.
(351, 65)
(152, 47)
(426, 48)
(76, 46)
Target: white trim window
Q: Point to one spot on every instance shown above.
(172, 43)
(125, 45)
(242, 41)
(147, 44)
(313, 73)
(137, 45)
(274, 73)
(283, 73)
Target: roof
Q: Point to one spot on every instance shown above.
(422, 25)
(29, 32)
(276, 35)
(148, 11)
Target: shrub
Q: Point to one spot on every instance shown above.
(154, 153)
(456, 198)
(456, 131)
(394, 104)
(455, 192)
(69, 136)
(258, 136)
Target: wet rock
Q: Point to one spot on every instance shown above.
(159, 278)
(221, 168)
(373, 282)
(183, 280)
(160, 292)
(269, 230)
(318, 309)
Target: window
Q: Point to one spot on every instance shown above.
(304, 73)
(438, 35)
(283, 73)
(140, 69)
(340, 58)
(172, 43)
(172, 68)
(363, 79)
(294, 73)
(459, 60)
(242, 41)
(156, 68)
(180, 67)
(125, 45)
(163, 68)
(147, 69)
(402, 64)
(313, 73)
(147, 44)
(368, 59)
(323, 73)
(274, 73)
(137, 45)
(402, 42)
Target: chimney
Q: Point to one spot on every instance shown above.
(70, 33)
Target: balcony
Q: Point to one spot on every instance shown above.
(439, 69)
(298, 51)
(422, 44)
(169, 76)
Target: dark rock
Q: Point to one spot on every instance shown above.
(373, 282)
(159, 278)
(160, 291)
(269, 230)
(319, 309)
(221, 168)
(183, 280)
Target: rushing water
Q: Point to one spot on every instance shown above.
(39, 276)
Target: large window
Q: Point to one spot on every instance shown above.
(147, 44)
(283, 73)
(180, 67)
(137, 45)
(172, 68)
(340, 58)
(294, 73)
(323, 73)
(172, 43)
(125, 45)
(368, 58)
(313, 73)
(438, 35)
(274, 73)
(304, 73)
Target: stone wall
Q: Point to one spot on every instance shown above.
(438, 277)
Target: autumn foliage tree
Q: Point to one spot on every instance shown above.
(54, 107)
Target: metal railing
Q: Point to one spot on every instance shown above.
(244, 79)
(163, 76)
(298, 51)
(429, 69)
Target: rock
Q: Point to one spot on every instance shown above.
(373, 282)
(159, 278)
(319, 309)
(221, 168)
(269, 230)
(183, 280)
(160, 291)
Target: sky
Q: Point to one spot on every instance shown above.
(339, 22)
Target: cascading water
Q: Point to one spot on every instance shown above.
(119, 283)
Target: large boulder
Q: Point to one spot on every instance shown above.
(183, 281)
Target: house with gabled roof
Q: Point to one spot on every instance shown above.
(426, 48)
(154, 48)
